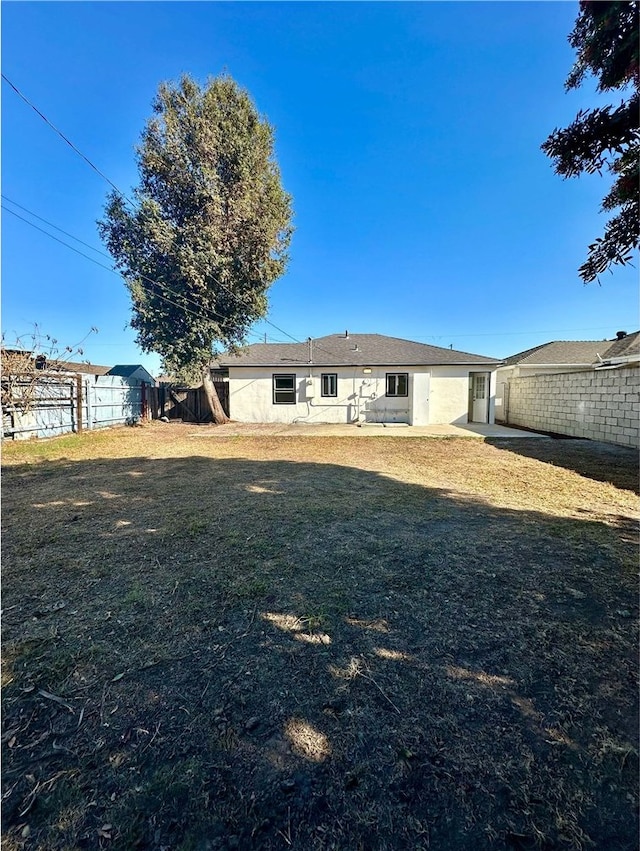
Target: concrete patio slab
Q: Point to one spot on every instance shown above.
(472, 430)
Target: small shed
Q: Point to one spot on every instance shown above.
(133, 373)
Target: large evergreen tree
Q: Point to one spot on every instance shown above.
(210, 227)
(606, 38)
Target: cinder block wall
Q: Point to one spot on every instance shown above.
(599, 404)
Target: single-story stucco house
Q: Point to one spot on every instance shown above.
(358, 378)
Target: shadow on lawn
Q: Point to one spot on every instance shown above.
(209, 654)
(602, 462)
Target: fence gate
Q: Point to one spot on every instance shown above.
(186, 403)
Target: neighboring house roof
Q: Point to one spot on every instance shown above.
(351, 350)
(576, 352)
(125, 370)
(86, 368)
(52, 364)
(627, 346)
(560, 353)
(130, 371)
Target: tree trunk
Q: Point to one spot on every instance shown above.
(217, 411)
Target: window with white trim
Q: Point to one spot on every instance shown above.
(397, 384)
(284, 389)
(329, 384)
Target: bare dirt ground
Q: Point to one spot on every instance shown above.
(318, 643)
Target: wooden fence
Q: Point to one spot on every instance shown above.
(185, 403)
(49, 404)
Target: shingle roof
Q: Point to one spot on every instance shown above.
(125, 370)
(351, 350)
(561, 352)
(628, 345)
(577, 352)
(86, 368)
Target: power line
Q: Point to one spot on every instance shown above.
(108, 268)
(111, 269)
(66, 233)
(102, 266)
(62, 242)
(112, 184)
(266, 321)
(114, 272)
(219, 283)
(62, 136)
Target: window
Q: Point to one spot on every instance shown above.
(284, 389)
(329, 384)
(397, 384)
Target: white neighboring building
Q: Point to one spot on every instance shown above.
(358, 378)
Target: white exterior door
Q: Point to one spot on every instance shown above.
(479, 397)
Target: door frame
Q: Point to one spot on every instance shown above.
(487, 396)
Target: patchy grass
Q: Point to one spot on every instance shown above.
(318, 643)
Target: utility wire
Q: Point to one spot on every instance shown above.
(114, 272)
(51, 225)
(515, 333)
(102, 266)
(144, 277)
(223, 286)
(62, 136)
(62, 242)
(113, 185)
(255, 334)
(109, 268)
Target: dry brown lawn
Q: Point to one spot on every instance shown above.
(216, 642)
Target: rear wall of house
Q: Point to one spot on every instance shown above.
(438, 394)
(449, 395)
(360, 397)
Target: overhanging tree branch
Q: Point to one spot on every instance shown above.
(605, 37)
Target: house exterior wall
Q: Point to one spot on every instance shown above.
(438, 394)
(449, 396)
(599, 404)
(360, 397)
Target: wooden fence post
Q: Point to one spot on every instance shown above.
(79, 423)
(144, 413)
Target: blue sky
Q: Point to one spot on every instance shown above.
(407, 133)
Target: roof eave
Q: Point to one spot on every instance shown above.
(302, 364)
(552, 365)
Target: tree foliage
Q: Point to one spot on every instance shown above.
(606, 39)
(210, 227)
